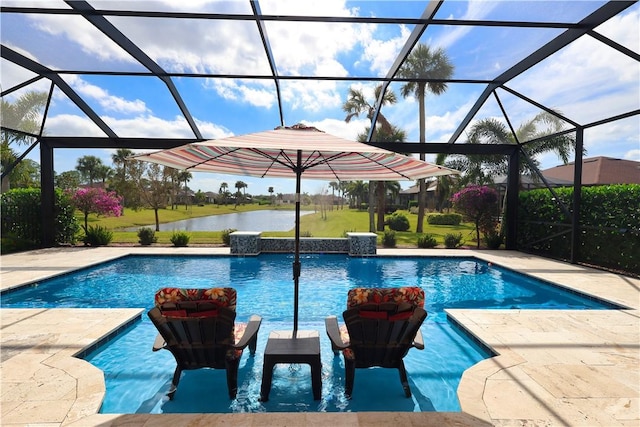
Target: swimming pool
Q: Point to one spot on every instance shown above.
(137, 379)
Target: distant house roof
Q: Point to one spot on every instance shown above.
(599, 170)
(414, 189)
(528, 181)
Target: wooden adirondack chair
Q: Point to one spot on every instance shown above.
(382, 325)
(198, 327)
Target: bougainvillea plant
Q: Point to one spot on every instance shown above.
(478, 204)
(97, 201)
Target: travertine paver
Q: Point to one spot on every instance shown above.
(554, 367)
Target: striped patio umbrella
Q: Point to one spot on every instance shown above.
(294, 152)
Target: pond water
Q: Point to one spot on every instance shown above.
(264, 220)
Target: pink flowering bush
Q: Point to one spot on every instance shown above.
(478, 204)
(97, 201)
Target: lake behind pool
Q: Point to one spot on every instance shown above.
(264, 220)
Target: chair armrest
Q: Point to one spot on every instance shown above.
(253, 326)
(331, 325)
(159, 343)
(418, 341)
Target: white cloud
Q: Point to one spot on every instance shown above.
(382, 53)
(79, 31)
(260, 94)
(632, 155)
(106, 100)
(311, 95)
(587, 80)
(476, 10)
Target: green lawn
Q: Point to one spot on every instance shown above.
(337, 222)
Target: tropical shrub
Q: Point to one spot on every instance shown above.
(97, 236)
(180, 238)
(444, 219)
(493, 239)
(147, 236)
(226, 236)
(389, 239)
(398, 222)
(427, 241)
(453, 241)
(479, 204)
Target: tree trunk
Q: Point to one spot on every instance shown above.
(422, 189)
(155, 211)
(372, 199)
(381, 204)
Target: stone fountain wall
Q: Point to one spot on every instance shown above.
(252, 243)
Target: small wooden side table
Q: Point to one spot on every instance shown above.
(283, 348)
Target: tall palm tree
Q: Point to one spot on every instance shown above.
(356, 104)
(22, 115)
(270, 190)
(424, 63)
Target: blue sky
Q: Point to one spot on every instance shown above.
(586, 81)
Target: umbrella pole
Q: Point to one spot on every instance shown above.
(296, 255)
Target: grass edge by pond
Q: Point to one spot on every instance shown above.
(335, 223)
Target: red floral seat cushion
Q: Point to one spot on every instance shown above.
(223, 297)
(411, 294)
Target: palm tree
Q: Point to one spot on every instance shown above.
(89, 168)
(223, 192)
(239, 186)
(122, 186)
(393, 134)
(334, 186)
(104, 173)
(393, 188)
(481, 169)
(357, 191)
(119, 158)
(270, 190)
(355, 105)
(424, 63)
(185, 176)
(22, 115)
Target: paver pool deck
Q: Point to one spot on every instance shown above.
(554, 367)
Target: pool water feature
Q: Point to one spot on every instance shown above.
(138, 379)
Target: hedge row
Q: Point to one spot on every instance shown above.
(444, 219)
(22, 217)
(609, 225)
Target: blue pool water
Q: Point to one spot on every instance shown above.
(138, 379)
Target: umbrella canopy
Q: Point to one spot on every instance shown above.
(273, 153)
(291, 152)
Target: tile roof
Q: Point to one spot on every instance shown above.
(599, 170)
